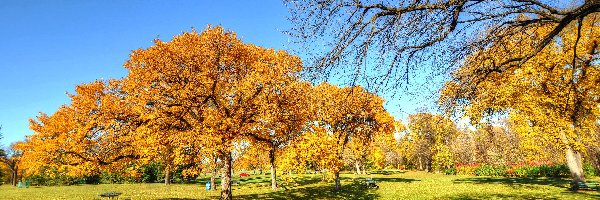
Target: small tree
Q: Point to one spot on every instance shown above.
(10, 158)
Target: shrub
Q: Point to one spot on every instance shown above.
(589, 170)
(532, 169)
(451, 171)
(487, 170)
(466, 169)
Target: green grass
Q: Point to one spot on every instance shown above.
(398, 185)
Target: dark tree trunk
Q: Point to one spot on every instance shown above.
(226, 179)
(273, 168)
(428, 165)
(338, 185)
(14, 173)
(13, 178)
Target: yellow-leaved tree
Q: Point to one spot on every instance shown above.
(289, 112)
(553, 98)
(209, 88)
(431, 135)
(350, 114)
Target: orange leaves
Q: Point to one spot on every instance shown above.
(191, 100)
(83, 136)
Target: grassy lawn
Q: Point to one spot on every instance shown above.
(400, 185)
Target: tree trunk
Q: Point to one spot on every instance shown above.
(420, 164)
(575, 164)
(14, 177)
(14, 173)
(273, 169)
(357, 165)
(226, 179)
(212, 179)
(573, 158)
(428, 165)
(364, 170)
(338, 185)
(167, 176)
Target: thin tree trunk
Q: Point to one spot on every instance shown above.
(226, 179)
(14, 169)
(428, 165)
(338, 185)
(14, 177)
(420, 164)
(273, 168)
(167, 176)
(364, 170)
(357, 167)
(212, 179)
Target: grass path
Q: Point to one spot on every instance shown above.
(404, 185)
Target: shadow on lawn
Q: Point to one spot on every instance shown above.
(473, 196)
(517, 182)
(520, 182)
(177, 199)
(349, 191)
(387, 172)
(394, 180)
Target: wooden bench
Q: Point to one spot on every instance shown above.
(585, 186)
(110, 195)
(370, 183)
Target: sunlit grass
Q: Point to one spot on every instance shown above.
(400, 185)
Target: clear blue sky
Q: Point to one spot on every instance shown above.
(50, 46)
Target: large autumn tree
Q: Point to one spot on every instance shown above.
(208, 87)
(553, 97)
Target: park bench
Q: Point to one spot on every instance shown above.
(580, 185)
(370, 183)
(110, 195)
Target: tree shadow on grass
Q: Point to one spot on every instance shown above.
(521, 182)
(387, 172)
(474, 196)
(354, 190)
(177, 199)
(518, 182)
(380, 179)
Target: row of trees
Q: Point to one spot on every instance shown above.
(208, 94)
(199, 101)
(433, 143)
(535, 60)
